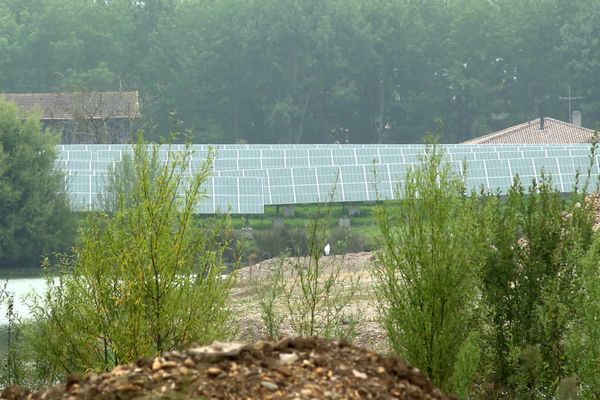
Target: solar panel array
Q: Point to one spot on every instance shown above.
(248, 177)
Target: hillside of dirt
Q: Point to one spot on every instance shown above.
(292, 368)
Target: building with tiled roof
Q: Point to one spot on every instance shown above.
(538, 131)
(92, 117)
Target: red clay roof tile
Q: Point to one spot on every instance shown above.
(554, 131)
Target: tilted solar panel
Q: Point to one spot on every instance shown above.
(247, 177)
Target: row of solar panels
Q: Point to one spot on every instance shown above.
(389, 157)
(335, 155)
(222, 147)
(244, 186)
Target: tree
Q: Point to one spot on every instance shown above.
(147, 277)
(34, 209)
(312, 71)
(530, 280)
(427, 273)
(581, 51)
(583, 340)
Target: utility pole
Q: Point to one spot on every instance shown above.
(570, 98)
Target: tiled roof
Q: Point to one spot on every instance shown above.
(554, 131)
(68, 106)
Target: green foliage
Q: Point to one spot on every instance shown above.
(308, 293)
(428, 271)
(19, 365)
(269, 294)
(270, 242)
(321, 307)
(583, 343)
(11, 369)
(529, 281)
(466, 366)
(312, 71)
(121, 184)
(355, 240)
(34, 212)
(490, 290)
(147, 277)
(528, 378)
(275, 241)
(14, 363)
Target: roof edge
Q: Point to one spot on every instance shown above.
(486, 138)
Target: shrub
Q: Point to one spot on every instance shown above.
(583, 341)
(313, 295)
(146, 278)
(276, 241)
(529, 285)
(428, 269)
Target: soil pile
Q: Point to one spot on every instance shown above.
(299, 368)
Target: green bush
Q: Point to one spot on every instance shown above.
(529, 285)
(428, 271)
(321, 307)
(583, 341)
(354, 240)
(146, 278)
(273, 242)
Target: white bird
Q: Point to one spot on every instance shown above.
(327, 249)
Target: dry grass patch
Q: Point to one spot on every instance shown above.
(353, 275)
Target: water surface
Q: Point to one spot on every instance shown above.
(20, 288)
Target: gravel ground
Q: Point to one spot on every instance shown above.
(300, 368)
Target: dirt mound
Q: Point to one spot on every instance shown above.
(300, 368)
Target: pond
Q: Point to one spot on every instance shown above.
(19, 285)
(20, 288)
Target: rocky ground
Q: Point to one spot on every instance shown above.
(292, 368)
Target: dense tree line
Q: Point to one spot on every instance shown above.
(314, 70)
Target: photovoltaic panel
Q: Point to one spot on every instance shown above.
(247, 177)
(238, 195)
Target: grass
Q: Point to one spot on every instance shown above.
(269, 241)
(302, 213)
